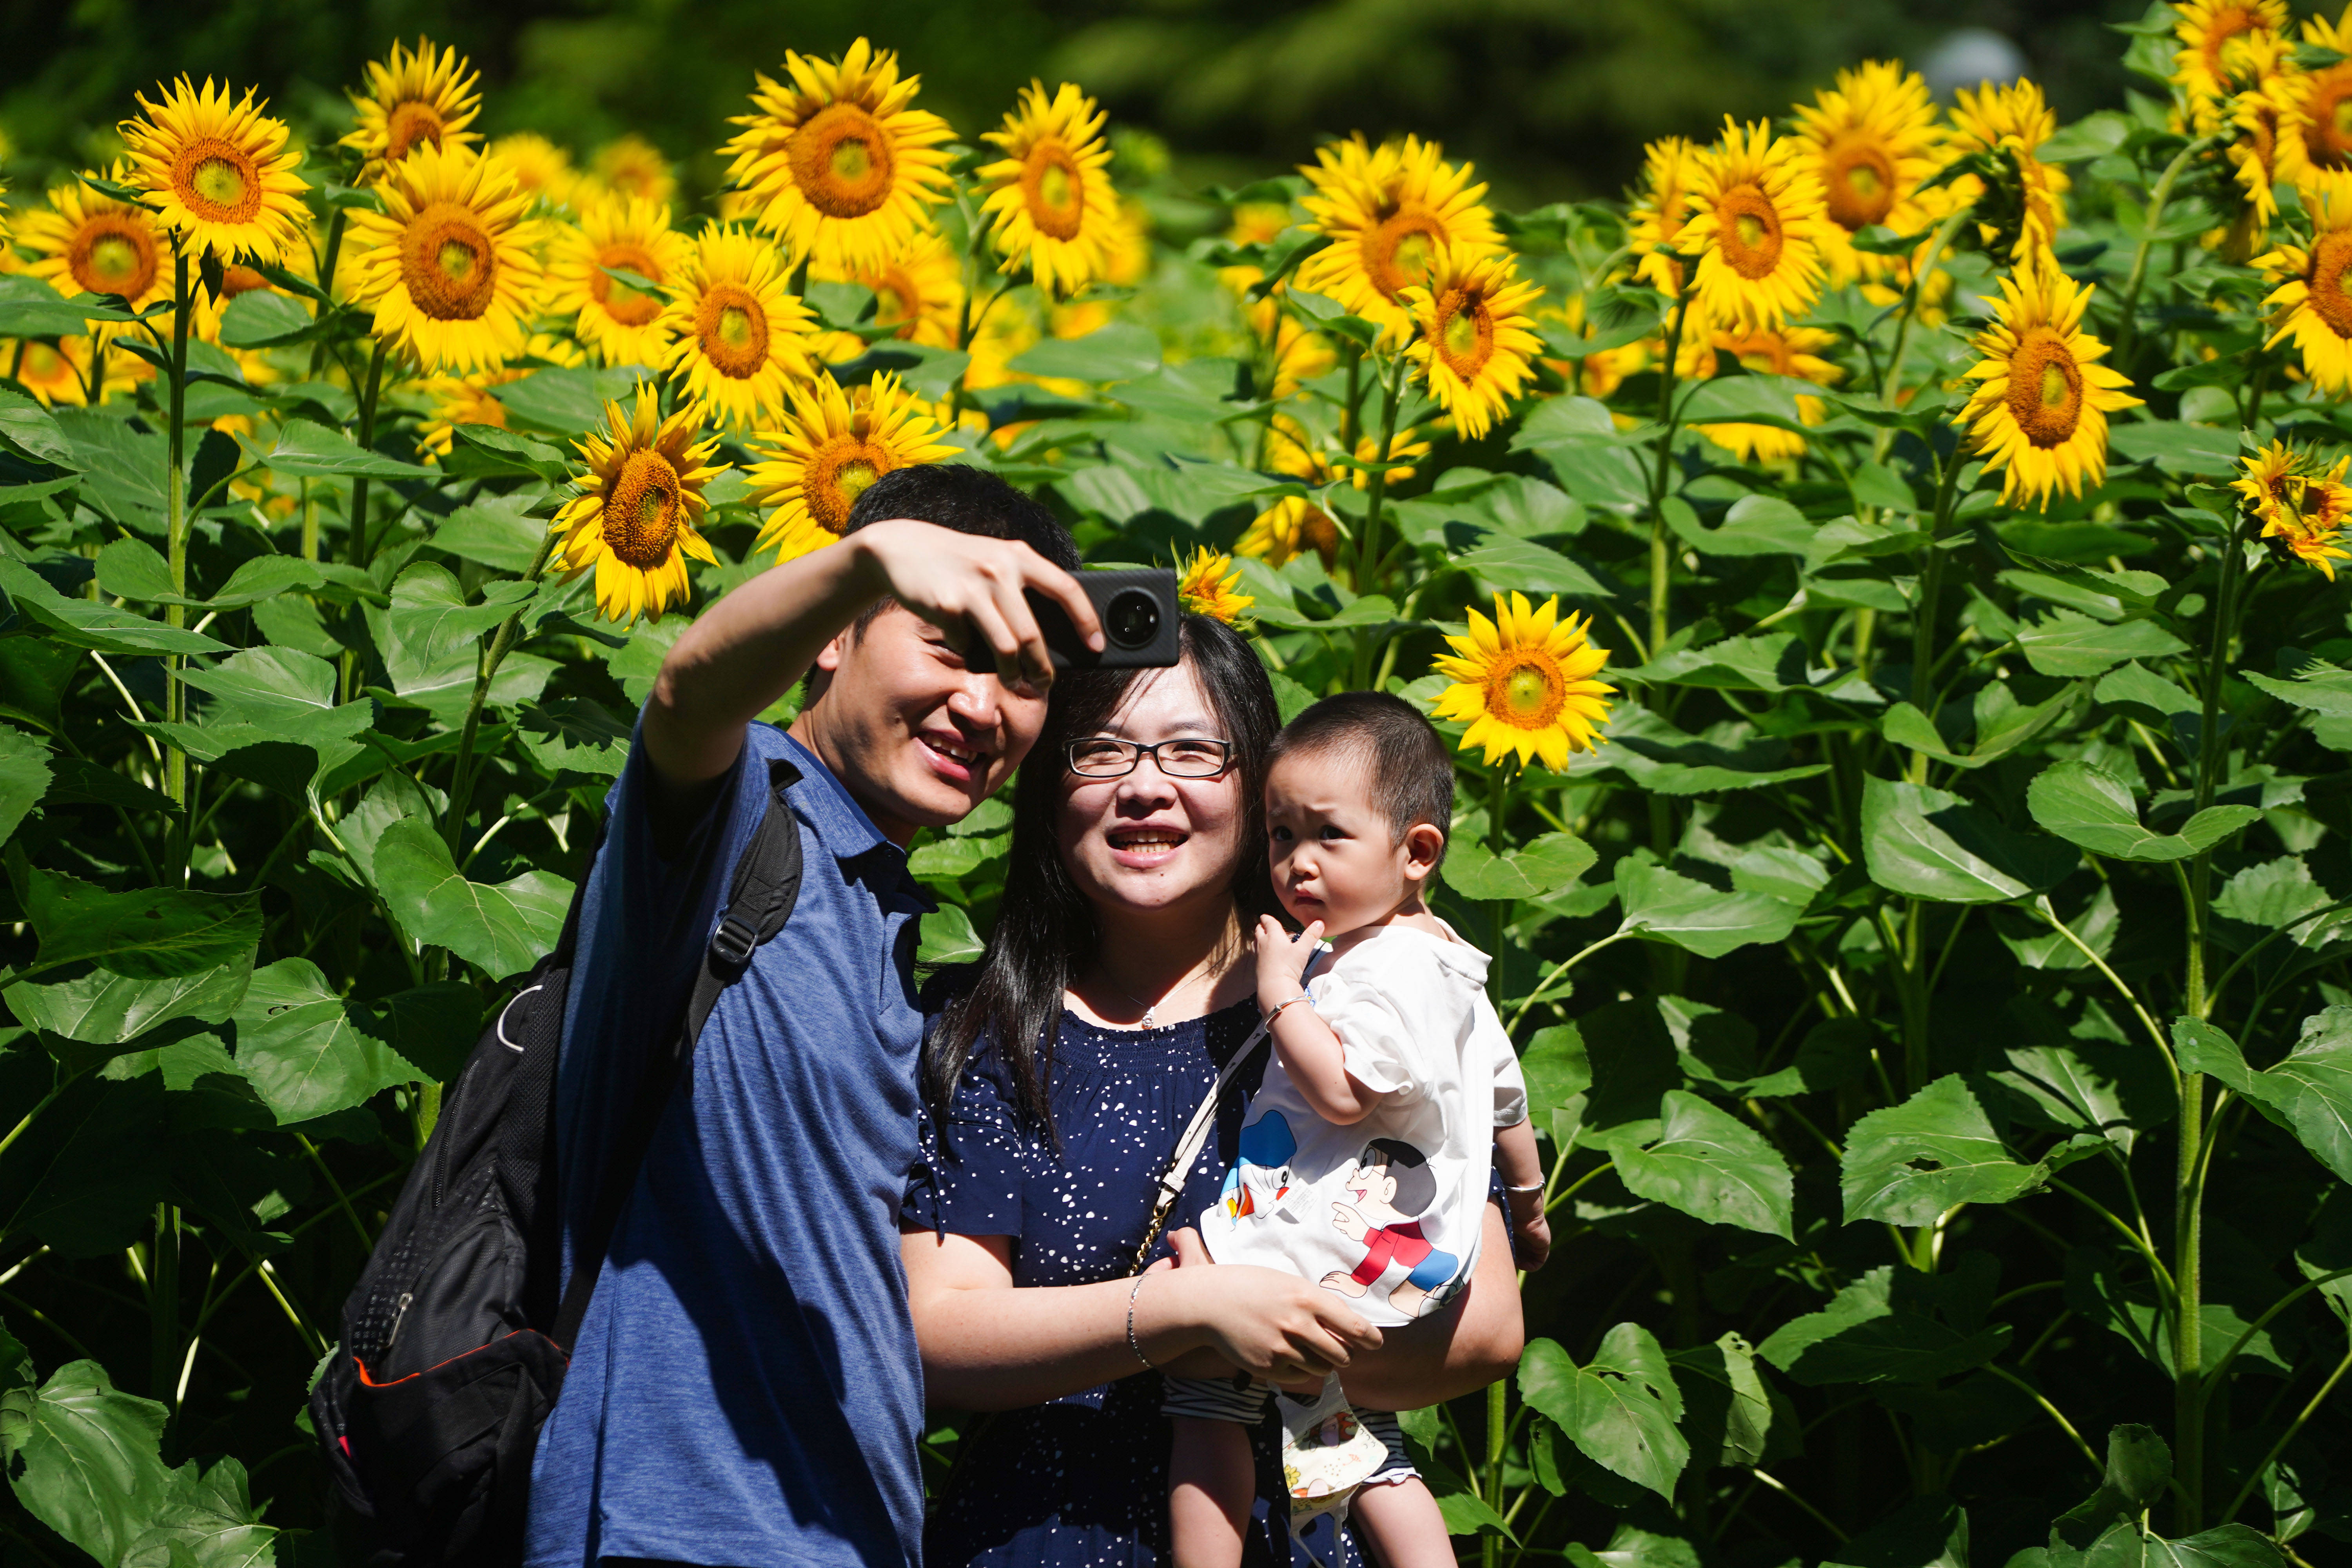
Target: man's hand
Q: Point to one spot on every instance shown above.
(1282, 960)
(954, 579)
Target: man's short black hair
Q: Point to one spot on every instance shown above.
(968, 499)
(1411, 772)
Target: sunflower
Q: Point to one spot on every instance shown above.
(1390, 215)
(1658, 214)
(737, 339)
(540, 166)
(2323, 98)
(1050, 195)
(833, 446)
(56, 372)
(634, 517)
(219, 171)
(1524, 683)
(89, 244)
(2267, 151)
(2313, 304)
(1755, 228)
(1208, 585)
(462, 400)
(449, 263)
(837, 163)
(621, 325)
(2213, 34)
(2041, 406)
(1787, 351)
(1258, 223)
(2014, 120)
(1474, 339)
(918, 294)
(1873, 139)
(415, 99)
(1289, 528)
(2301, 502)
(632, 166)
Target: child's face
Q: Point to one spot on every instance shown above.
(1334, 858)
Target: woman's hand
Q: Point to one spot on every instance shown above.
(1281, 961)
(1272, 1325)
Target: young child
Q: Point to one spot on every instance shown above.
(1365, 1154)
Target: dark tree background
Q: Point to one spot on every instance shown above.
(1552, 98)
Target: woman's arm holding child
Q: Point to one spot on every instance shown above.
(1311, 1051)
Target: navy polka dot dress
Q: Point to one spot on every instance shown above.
(1083, 1481)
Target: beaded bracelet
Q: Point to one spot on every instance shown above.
(1132, 1344)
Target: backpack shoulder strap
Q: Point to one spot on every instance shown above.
(767, 884)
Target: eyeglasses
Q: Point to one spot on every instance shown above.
(1100, 757)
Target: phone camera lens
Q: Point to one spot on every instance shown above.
(1131, 619)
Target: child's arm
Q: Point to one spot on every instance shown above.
(1521, 1168)
(1310, 1050)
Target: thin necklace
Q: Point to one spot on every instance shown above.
(1150, 1009)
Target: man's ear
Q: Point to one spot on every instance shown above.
(829, 657)
(1424, 843)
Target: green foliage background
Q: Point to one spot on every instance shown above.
(1940, 858)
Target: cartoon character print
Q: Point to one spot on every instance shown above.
(1260, 1179)
(1392, 1184)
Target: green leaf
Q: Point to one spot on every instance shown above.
(1537, 869)
(501, 928)
(2065, 642)
(2090, 807)
(1620, 1411)
(264, 317)
(30, 308)
(208, 1519)
(32, 430)
(1556, 1068)
(1880, 1329)
(2139, 1463)
(314, 451)
(2136, 687)
(2311, 1092)
(305, 1053)
(430, 616)
(2312, 684)
(85, 1459)
(2175, 448)
(102, 1009)
(1669, 907)
(1932, 844)
(568, 402)
(1748, 400)
(86, 623)
(1120, 352)
(148, 933)
(2227, 1546)
(495, 530)
(1907, 1164)
(122, 467)
(1713, 1166)
(1773, 662)
(575, 734)
(280, 690)
(1521, 564)
(24, 777)
(1727, 1414)
(1926, 1532)
(1754, 525)
(266, 577)
(948, 937)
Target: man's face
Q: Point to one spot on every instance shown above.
(918, 739)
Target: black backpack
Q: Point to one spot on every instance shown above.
(455, 1340)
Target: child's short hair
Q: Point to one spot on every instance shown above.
(1413, 773)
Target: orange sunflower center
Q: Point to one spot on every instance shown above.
(113, 253)
(2045, 388)
(630, 307)
(733, 330)
(43, 366)
(1526, 689)
(1054, 190)
(449, 263)
(1464, 334)
(1398, 248)
(2224, 28)
(2327, 129)
(217, 181)
(2330, 255)
(644, 510)
(842, 160)
(1858, 178)
(895, 304)
(408, 124)
(235, 280)
(1750, 231)
(837, 475)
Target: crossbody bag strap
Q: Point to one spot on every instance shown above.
(767, 884)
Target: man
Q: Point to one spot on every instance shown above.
(745, 1392)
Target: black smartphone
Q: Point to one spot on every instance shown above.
(1136, 606)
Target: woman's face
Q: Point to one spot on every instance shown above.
(1147, 841)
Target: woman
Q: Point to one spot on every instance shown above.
(1068, 1061)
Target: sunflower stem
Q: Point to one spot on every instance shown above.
(1367, 558)
(1912, 298)
(327, 260)
(1660, 551)
(175, 513)
(461, 782)
(367, 443)
(2127, 325)
(1923, 611)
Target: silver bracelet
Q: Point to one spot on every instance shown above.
(1302, 996)
(1132, 1344)
(1537, 1188)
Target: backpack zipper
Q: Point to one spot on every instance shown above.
(399, 1316)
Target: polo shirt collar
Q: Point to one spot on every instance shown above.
(839, 820)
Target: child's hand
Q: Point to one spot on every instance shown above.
(1281, 960)
(1531, 1230)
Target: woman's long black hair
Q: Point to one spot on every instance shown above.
(1046, 933)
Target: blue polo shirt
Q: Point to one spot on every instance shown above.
(746, 1391)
